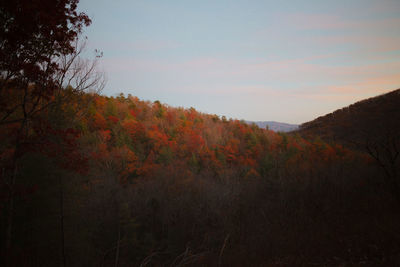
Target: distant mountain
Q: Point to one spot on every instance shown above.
(275, 126)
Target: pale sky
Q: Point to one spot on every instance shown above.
(288, 61)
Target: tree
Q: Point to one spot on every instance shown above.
(40, 66)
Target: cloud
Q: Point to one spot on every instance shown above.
(302, 88)
(361, 42)
(289, 73)
(369, 85)
(321, 21)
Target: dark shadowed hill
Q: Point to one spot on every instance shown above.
(363, 121)
(275, 126)
(372, 126)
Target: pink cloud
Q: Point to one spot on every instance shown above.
(313, 88)
(352, 92)
(330, 22)
(363, 42)
(225, 70)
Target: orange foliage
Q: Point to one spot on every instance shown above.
(141, 145)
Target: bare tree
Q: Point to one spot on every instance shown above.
(82, 75)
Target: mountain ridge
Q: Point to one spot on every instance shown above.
(363, 119)
(275, 126)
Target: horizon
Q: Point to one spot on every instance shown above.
(258, 61)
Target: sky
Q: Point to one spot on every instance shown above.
(287, 61)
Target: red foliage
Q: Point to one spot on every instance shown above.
(113, 119)
(99, 121)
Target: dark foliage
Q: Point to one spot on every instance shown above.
(372, 126)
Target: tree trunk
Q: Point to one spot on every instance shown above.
(117, 252)
(10, 217)
(62, 221)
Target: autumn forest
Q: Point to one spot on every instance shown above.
(88, 179)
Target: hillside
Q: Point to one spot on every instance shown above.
(172, 186)
(362, 121)
(275, 126)
(372, 126)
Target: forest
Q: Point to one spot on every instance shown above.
(93, 180)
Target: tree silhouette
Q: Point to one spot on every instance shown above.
(40, 65)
